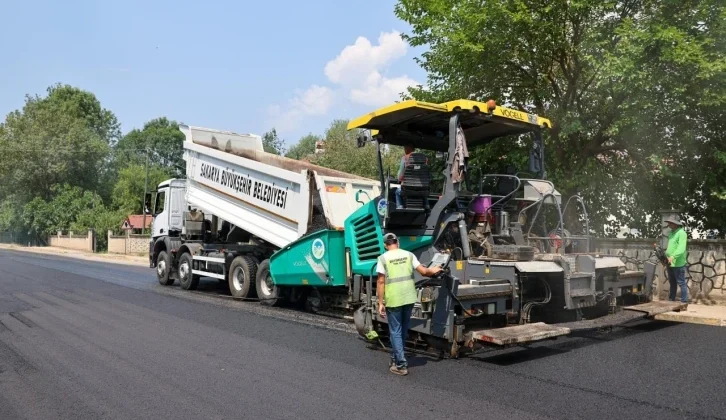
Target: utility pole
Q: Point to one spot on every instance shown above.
(146, 191)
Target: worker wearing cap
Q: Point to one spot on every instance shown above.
(676, 254)
(396, 295)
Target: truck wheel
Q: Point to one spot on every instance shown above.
(242, 273)
(163, 269)
(188, 280)
(267, 292)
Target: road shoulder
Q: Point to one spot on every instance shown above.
(134, 260)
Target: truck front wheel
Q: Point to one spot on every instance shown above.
(188, 280)
(163, 269)
(267, 292)
(242, 273)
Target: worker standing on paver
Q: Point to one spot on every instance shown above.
(407, 150)
(676, 254)
(396, 292)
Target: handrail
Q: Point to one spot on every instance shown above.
(540, 202)
(587, 218)
(519, 184)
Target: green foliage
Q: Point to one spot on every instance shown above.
(66, 167)
(10, 213)
(164, 141)
(62, 138)
(128, 192)
(343, 154)
(304, 148)
(71, 208)
(272, 143)
(635, 91)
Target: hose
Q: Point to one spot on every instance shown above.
(527, 308)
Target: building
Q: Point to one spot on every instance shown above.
(134, 222)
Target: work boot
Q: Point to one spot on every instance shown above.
(398, 371)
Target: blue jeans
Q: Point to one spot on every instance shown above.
(398, 320)
(399, 202)
(677, 277)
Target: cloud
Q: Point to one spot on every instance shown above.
(379, 90)
(358, 75)
(359, 60)
(314, 101)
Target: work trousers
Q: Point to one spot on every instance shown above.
(399, 201)
(398, 321)
(677, 277)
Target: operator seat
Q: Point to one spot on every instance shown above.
(415, 187)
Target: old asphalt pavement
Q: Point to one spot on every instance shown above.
(93, 340)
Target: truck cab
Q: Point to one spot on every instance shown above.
(168, 208)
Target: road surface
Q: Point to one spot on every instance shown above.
(86, 340)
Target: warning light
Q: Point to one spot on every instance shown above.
(491, 105)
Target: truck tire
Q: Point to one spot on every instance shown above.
(187, 280)
(267, 292)
(241, 276)
(163, 269)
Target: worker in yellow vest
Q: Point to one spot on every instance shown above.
(396, 295)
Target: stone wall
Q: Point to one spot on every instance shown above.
(128, 244)
(706, 269)
(74, 241)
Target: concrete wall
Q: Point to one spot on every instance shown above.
(706, 270)
(128, 244)
(74, 241)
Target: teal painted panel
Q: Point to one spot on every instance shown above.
(364, 237)
(314, 260)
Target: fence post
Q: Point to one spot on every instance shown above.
(92, 240)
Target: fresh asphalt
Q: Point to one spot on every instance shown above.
(87, 340)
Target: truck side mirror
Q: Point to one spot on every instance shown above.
(361, 140)
(147, 203)
(536, 155)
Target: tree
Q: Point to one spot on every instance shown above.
(633, 89)
(128, 192)
(165, 143)
(272, 143)
(343, 154)
(304, 148)
(61, 138)
(71, 208)
(10, 213)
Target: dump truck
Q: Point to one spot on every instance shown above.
(240, 204)
(517, 256)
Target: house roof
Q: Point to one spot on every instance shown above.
(134, 221)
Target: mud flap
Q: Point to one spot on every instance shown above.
(519, 334)
(657, 307)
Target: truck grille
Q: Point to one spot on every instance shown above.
(367, 238)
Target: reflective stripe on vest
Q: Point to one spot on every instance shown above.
(400, 288)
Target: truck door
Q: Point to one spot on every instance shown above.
(160, 226)
(177, 203)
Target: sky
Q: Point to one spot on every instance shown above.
(244, 66)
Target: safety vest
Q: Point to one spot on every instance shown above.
(400, 288)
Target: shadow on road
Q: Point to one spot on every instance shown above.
(500, 357)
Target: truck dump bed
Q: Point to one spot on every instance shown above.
(272, 197)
